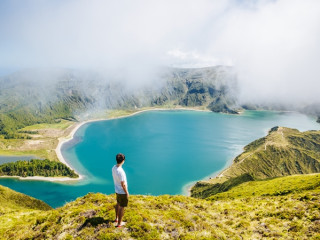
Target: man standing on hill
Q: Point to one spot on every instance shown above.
(121, 188)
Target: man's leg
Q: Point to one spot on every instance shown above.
(120, 214)
(116, 207)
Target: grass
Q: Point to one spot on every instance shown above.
(64, 124)
(171, 106)
(45, 141)
(120, 113)
(11, 200)
(204, 190)
(282, 152)
(272, 187)
(264, 215)
(38, 153)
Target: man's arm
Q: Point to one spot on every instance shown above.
(124, 187)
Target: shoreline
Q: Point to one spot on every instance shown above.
(186, 189)
(68, 138)
(41, 178)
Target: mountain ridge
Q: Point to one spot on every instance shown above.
(32, 97)
(282, 152)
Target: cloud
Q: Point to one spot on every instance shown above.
(273, 45)
(275, 49)
(98, 33)
(194, 59)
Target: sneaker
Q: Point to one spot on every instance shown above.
(121, 225)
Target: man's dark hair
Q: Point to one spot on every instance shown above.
(120, 158)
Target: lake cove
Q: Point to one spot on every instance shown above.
(165, 151)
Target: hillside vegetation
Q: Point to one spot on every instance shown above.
(17, 209)
(37, 107)
(11, 201)
(46, 96)
(34, 96)
(282, 152)
(36, 167)
(253, 210)
(244, 202)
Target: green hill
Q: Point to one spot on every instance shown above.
(10, 199)
(32, 97)
(45, 96)
(253, 210)
(17, 209)
(250, 200)
(282, 152)
(33, 103)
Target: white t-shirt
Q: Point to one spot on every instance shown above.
(119, 175)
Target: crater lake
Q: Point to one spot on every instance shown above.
(166, 151)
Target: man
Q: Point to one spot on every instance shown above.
(121, 188)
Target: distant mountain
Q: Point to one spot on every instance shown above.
(213, 88)
(44, 96)
(27, 98)
(37, 96)
(282, 152)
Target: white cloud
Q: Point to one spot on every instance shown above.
(274, 45)
(275, 50)
(192, 59)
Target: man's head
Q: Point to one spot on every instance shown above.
(120, 158)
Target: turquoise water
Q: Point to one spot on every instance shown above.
(165, 151)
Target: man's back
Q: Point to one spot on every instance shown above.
(119, 176)
(121, 188)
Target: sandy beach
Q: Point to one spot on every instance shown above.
(68, 138)
(40, 178)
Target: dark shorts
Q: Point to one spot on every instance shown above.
(122, 200)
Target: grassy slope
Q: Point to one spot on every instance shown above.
(282, 152)
(17, 210)
(14, 200)
(252, 210)
(42, 144)
(272, 187)
(64, 124)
